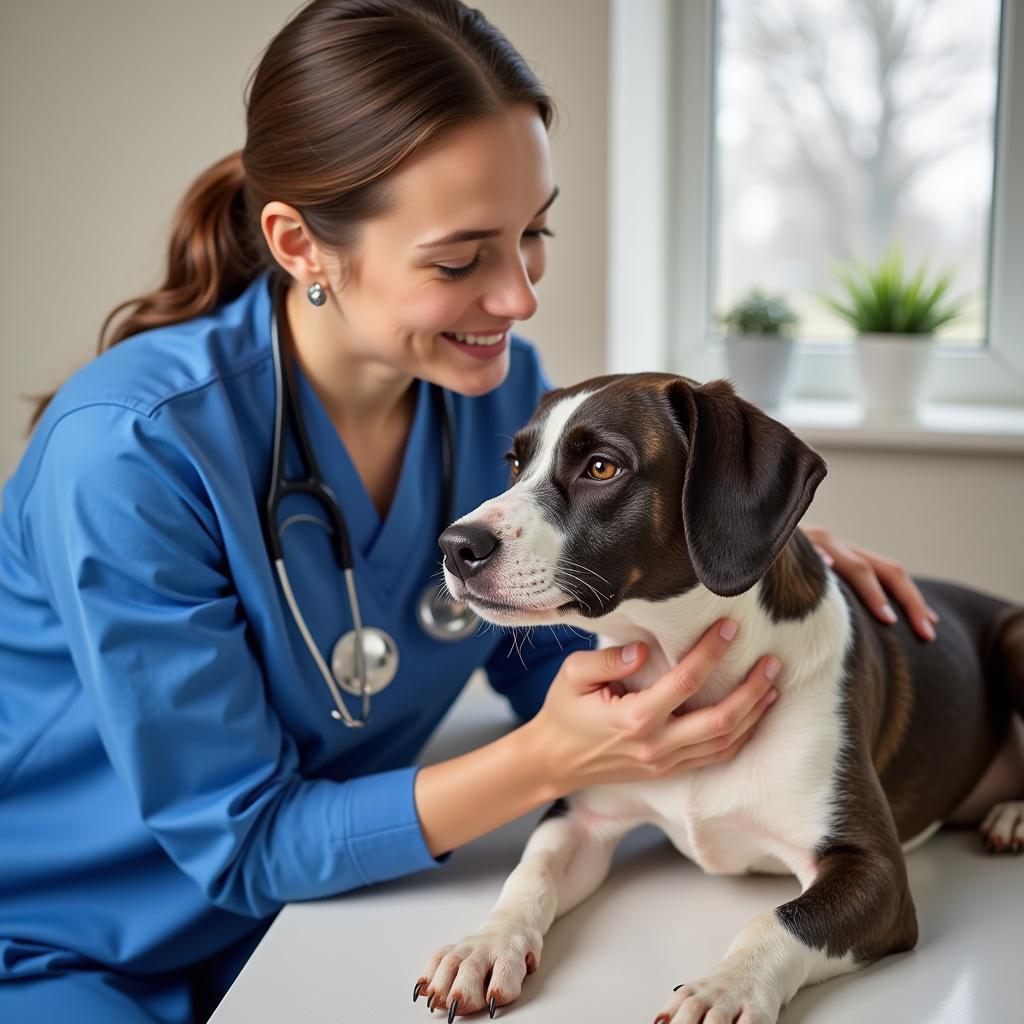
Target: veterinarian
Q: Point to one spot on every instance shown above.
(185, 746)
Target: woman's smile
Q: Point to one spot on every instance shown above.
(478, 346)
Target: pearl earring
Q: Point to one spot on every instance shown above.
(316, 294)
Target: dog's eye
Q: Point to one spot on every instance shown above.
(602, 469)
(514, 465)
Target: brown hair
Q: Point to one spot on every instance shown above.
(345, 92)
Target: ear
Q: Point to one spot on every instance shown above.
(748, 481)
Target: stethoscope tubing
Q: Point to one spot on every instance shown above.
(287, 414)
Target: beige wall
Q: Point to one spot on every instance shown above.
(108, 110)
(953, 516)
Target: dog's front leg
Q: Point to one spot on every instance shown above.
(565, 860)
(857, 909)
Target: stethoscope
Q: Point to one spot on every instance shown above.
(365, 659)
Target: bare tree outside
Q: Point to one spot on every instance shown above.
(843, 126)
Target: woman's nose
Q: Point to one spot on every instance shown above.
(511, 295)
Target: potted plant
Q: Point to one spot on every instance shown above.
(759, 347)
(896, 316)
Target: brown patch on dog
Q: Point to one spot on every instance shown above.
(894, 720)
(795, 584)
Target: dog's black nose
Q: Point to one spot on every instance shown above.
(467, 548)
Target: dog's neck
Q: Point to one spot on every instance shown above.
(786, 613)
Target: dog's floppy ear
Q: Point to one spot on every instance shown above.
(748, 481)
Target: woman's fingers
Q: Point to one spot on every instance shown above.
(590, 670)
(680, 683)
(702, 732)
(874, 577)
(689, 764)
(898, 582)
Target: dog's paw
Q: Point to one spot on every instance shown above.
(485, 969)
(1003, 828)
(725, 995)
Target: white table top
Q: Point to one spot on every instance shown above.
(656, 921)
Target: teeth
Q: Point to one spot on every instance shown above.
(478, 339)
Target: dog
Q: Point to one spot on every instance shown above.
(645, 507)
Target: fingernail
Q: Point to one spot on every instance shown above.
(771, 667)
(934, 614)
(927, 629)
(773, 696)
(629, 653)
(728, 630)
(887, 613)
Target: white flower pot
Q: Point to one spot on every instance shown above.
(892, 370)
(759, 367)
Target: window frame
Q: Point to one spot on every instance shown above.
(660, 238)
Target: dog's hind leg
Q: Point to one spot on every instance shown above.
(1002, 789)
(856, 909)
(566, 859)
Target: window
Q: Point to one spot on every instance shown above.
(843, 127)
(709, 186)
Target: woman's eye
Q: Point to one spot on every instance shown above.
(602, 469)
(538, 232)
(457, 273)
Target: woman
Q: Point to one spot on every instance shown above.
(170, 770)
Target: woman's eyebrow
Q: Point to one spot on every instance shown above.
(474, 234)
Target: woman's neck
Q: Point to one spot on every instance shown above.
(362, 396)
(371, 405)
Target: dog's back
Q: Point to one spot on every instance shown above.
(936, 714)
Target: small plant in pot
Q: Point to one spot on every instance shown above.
(759, 347)
(896, 315)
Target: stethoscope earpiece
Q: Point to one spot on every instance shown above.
(365, 659)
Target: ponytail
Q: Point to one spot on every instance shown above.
(210, 260)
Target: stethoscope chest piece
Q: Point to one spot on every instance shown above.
(380, 653)
(444, 619)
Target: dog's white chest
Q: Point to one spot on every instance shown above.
(764, 810)
(768, 807)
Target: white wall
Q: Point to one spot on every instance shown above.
(109, 109)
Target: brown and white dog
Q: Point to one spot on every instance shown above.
(646, 507)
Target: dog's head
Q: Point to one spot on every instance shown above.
(631, 486)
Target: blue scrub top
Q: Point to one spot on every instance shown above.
(169, 770)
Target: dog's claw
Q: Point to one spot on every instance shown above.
(451, 1010)
(679, 986)
(430, 1002)
(491, 1007)
(416, 991)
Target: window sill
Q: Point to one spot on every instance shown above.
(937, 427)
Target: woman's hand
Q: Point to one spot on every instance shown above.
(589, 731)
(871, 575)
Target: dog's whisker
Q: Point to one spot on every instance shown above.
(601, 597)
(516, 647)
(568, 590)
(580, 579)
(586, 568)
